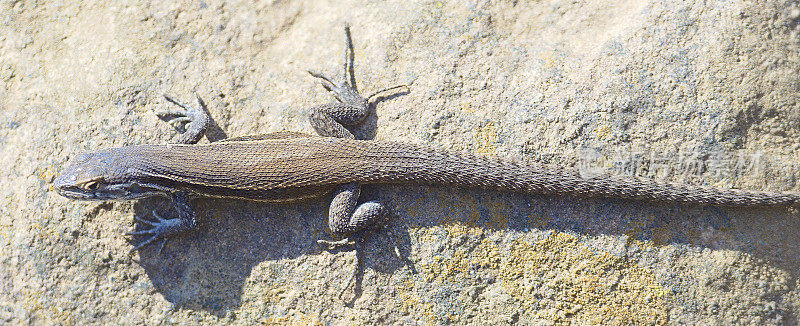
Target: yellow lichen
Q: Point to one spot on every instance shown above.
(486, 139)
(584, 285)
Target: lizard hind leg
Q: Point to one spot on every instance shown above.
(346, 216)
(332, 119)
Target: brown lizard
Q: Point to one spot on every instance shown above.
(287, 166)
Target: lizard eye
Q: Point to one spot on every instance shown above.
(91, 185)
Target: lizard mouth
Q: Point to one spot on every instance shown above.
(77, 193)
(109, 193)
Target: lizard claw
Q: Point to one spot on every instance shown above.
(334, 244)
(150, 240)
(161, 248)
(177, 116)
(148, 231)
(179, 121)
(144, 243)
(158, 217)
(327, 82)
(143, 221)
(182, 110)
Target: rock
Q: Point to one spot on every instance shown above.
(682, 91)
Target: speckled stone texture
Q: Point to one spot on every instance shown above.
(698, 92)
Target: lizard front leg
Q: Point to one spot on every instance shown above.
(164, 228)
(192, 123)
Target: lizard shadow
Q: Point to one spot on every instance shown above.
(240, 243)
(368, 129)
(213, 132)
(209, 268)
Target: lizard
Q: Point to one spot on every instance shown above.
(289, 166)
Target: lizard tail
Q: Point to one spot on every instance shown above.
(441, 167)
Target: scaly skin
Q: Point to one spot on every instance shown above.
(290, 166)
(290, 169)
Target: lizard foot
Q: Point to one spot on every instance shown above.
(190, 121)
(160, 229)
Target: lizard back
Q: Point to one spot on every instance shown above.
(269, 169)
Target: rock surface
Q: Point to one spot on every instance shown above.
(697, 92)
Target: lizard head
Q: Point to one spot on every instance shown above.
(103, 175)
